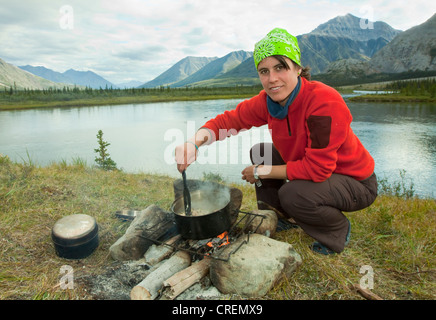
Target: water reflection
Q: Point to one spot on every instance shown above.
(143, 136)
(400, 136)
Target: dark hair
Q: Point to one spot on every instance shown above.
(305, 71)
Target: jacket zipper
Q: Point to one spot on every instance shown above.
(289, 127)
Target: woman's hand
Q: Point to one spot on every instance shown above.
(185, 155)
(264, 172)
(248, 174)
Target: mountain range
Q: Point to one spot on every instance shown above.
(411, 51)
(344, 37)
(414, 49)
(14, 77)
(345, 44)
(71, 76)
(180, 71)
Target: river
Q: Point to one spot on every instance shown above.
(142, 138)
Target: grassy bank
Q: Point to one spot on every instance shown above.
(395, 236)
(31, 104)
(416, 90)
(26, 99)
(392, 97)
(421, 90)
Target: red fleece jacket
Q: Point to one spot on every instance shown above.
(315, 140)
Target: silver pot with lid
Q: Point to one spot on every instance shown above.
(75, 236)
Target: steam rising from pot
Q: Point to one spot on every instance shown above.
(205, 198)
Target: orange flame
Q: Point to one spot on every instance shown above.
(224, 240)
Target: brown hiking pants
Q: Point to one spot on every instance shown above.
(315, 206)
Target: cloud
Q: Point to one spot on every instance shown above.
(400, 14)
(139, 39)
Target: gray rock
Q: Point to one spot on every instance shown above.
(255, 268)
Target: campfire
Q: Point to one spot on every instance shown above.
(247, 223)
(219, 241)
(242, 260)
(192, 259)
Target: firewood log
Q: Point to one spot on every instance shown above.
(148, 289)
(156, 254)
(185, 278)
(149, 223)
(265, 223)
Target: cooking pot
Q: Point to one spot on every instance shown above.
(210, 213)
(75, 236)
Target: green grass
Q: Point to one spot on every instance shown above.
(392, 97)
(25, 99)
(412, 90)
(99, 101)
(395, 236)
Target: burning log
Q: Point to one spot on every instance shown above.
(185, 278)
(148, 289)
(219, 241)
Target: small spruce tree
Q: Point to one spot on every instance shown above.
(103, 160)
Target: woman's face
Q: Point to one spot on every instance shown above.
(278, 81)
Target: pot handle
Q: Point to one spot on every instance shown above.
(186, 195)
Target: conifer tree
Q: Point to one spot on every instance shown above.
(104, 161)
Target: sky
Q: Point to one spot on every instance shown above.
(139, 39)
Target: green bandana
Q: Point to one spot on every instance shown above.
(277, 42)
